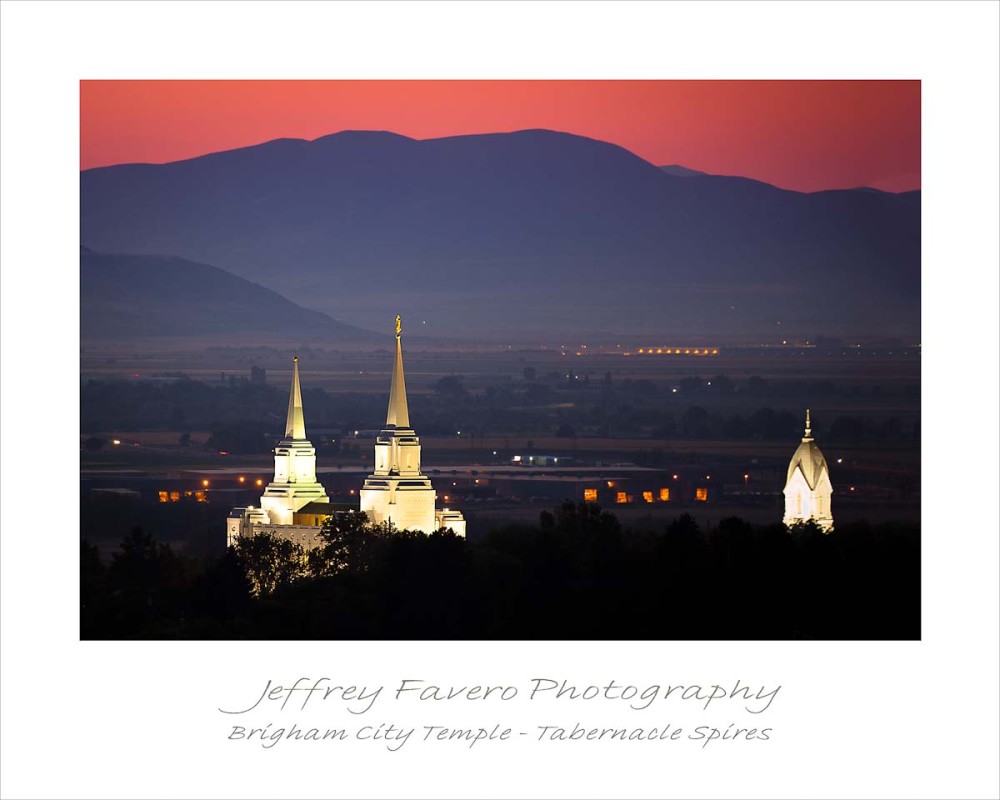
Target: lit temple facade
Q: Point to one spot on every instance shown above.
(294, 484)
(807, 488)
(295, 505)
(397, 491)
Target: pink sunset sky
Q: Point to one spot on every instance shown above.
(803, 135)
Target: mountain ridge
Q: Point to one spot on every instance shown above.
(126, 296)
(482, 232)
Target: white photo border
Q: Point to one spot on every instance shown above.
(86, 719)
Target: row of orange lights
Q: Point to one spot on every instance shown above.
(590, 495)
(678, 351)
(242, 479)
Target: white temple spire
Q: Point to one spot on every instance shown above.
(397, 492)
(399, 414)
(808, 489)
(295, 426)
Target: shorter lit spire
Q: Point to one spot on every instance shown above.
(808, 436)
(295, 426)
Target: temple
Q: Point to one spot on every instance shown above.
(295, 504)
(397, 492)
(294, 485)
(807, 487)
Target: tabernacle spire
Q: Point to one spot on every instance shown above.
(808, 436)
(399, 415)
(295, 426)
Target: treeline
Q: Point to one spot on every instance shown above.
(539, 388)
(577, 574)
(184, 404)
(246, 417)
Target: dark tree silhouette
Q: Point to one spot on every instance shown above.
(578, 574)
(270, 562)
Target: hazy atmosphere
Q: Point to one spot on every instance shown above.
(618, 327)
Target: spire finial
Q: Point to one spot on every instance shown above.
(399, 414)
(808, 427)
(295, 426)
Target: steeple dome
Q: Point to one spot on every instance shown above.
(809, 458)
(807, 485)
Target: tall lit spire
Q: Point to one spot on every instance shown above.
(808, 436)
(399, 415)
(295, 427)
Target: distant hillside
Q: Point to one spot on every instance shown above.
(530, 231)
(681, 172)
(124, 297)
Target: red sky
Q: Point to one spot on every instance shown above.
(804, 135)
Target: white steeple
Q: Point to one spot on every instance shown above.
(808, 489)
(399, 414)
(294, 483)
(295, 426)
(397, 491)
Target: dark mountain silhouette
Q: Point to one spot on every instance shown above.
(534, 231)
(681, 172)
(126, 297)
